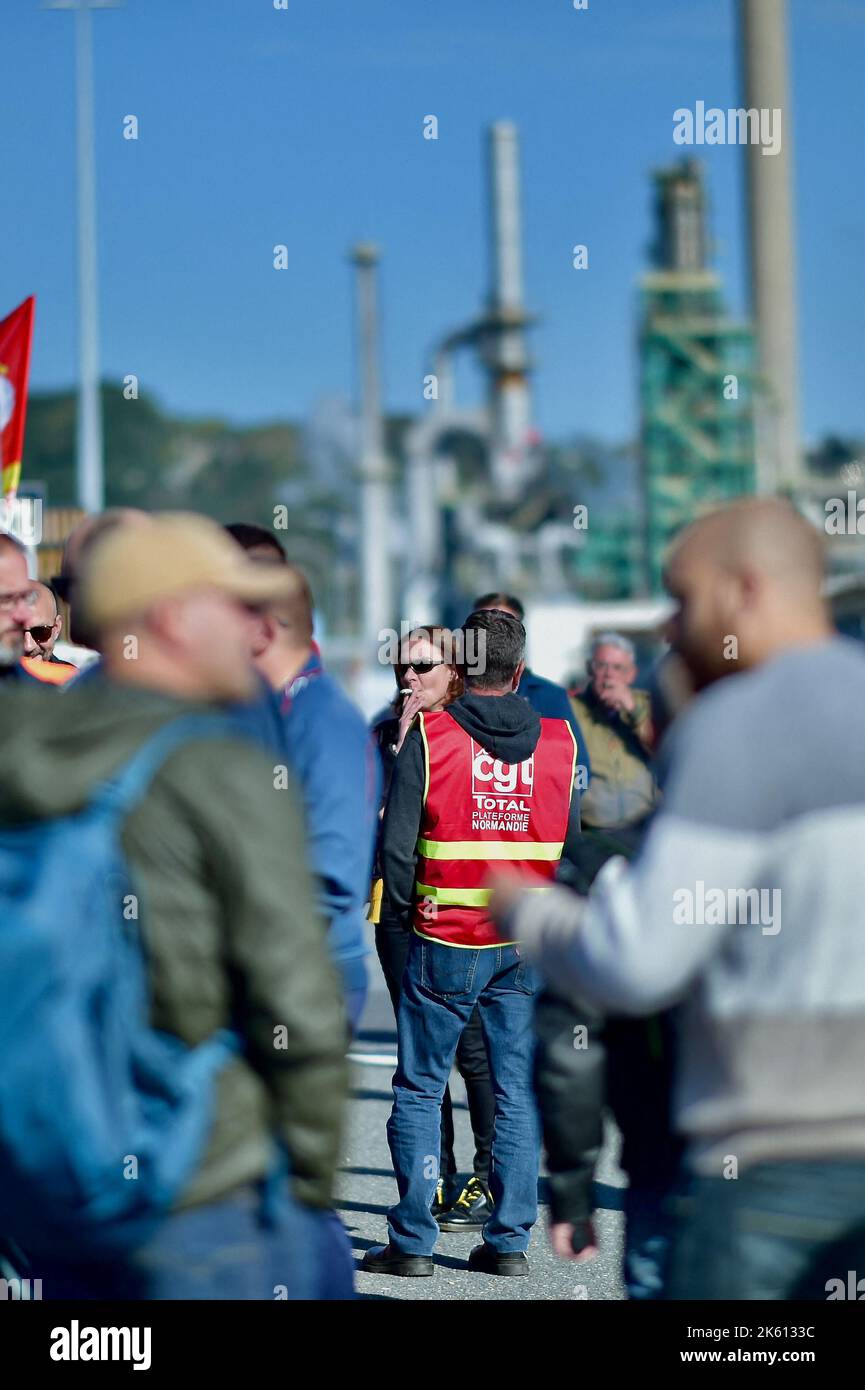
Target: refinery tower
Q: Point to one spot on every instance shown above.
(696, 374)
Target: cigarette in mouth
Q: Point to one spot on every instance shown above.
(406, 690)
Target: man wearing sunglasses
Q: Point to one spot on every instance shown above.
(42, 631)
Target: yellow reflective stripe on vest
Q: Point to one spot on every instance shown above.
(489, 849)
(464, 897)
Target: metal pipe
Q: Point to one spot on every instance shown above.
(375, 528)
(90, 475)
(507, 286)
(763, 42)
(91, 484)
(506, 355)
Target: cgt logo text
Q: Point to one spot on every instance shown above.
(491, 776)
(500, 791)
(78, 1343)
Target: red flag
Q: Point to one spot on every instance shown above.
(16, 335)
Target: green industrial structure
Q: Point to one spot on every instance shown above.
(696, 375)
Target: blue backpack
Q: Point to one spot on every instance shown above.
(102, 1118)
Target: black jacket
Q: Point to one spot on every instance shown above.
(585, 1064)
(508, 728)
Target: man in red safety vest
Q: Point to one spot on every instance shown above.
(483, 783)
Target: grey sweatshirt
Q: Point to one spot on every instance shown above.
(747, 907)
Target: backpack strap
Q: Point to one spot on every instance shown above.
(118, 794)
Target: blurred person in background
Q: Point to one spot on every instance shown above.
(39, 638)
(768, 975)
(44, 628)
(623, 1065)
(17, 602)
(428, 679)
(84, 534)
(229, 921)
(257, 541)
(548, 699)
(330, 752)
(617, 721)
(588, 1063)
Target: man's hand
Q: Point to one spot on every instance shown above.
(577, 1243)
(507, 889)
(617, 696)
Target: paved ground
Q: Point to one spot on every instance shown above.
(367, 1188)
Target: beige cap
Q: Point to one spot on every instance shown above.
(170, 553)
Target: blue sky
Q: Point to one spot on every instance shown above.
(304, 127)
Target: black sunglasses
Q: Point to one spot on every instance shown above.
(42, 632)
(421, 668)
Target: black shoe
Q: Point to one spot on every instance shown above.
(485, 1260)
(386, 1259)
(471, 1210)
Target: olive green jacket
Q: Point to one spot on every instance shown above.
(623, 789)
(227, 911)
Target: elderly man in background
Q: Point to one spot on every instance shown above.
(616, 721)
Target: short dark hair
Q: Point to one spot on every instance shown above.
(493, 646)
(247, 534)
(501, 602)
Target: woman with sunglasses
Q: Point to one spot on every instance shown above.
(428, 679)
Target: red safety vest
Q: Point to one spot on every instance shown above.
(479, 813)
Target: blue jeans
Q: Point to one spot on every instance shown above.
(355, 1002)
(780, 1231)
(441, 986)
(230, 1249)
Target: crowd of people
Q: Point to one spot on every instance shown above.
(594, 901)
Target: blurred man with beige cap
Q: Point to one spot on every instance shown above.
(169, 599)
(228, 912)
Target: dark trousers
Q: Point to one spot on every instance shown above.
(392, 945)
(791, 1230)
(238, 1247)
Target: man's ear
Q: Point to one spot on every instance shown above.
(518, 674)
(264, 628)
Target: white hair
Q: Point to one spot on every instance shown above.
(614, 639)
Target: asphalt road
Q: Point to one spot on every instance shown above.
(367, 1188)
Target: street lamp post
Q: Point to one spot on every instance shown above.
(90, 482)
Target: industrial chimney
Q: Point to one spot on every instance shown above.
(374, 486)
(763, 41)
(504, 344)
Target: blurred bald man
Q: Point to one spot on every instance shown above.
(747, 581)
(44, 627)
(745, 910)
